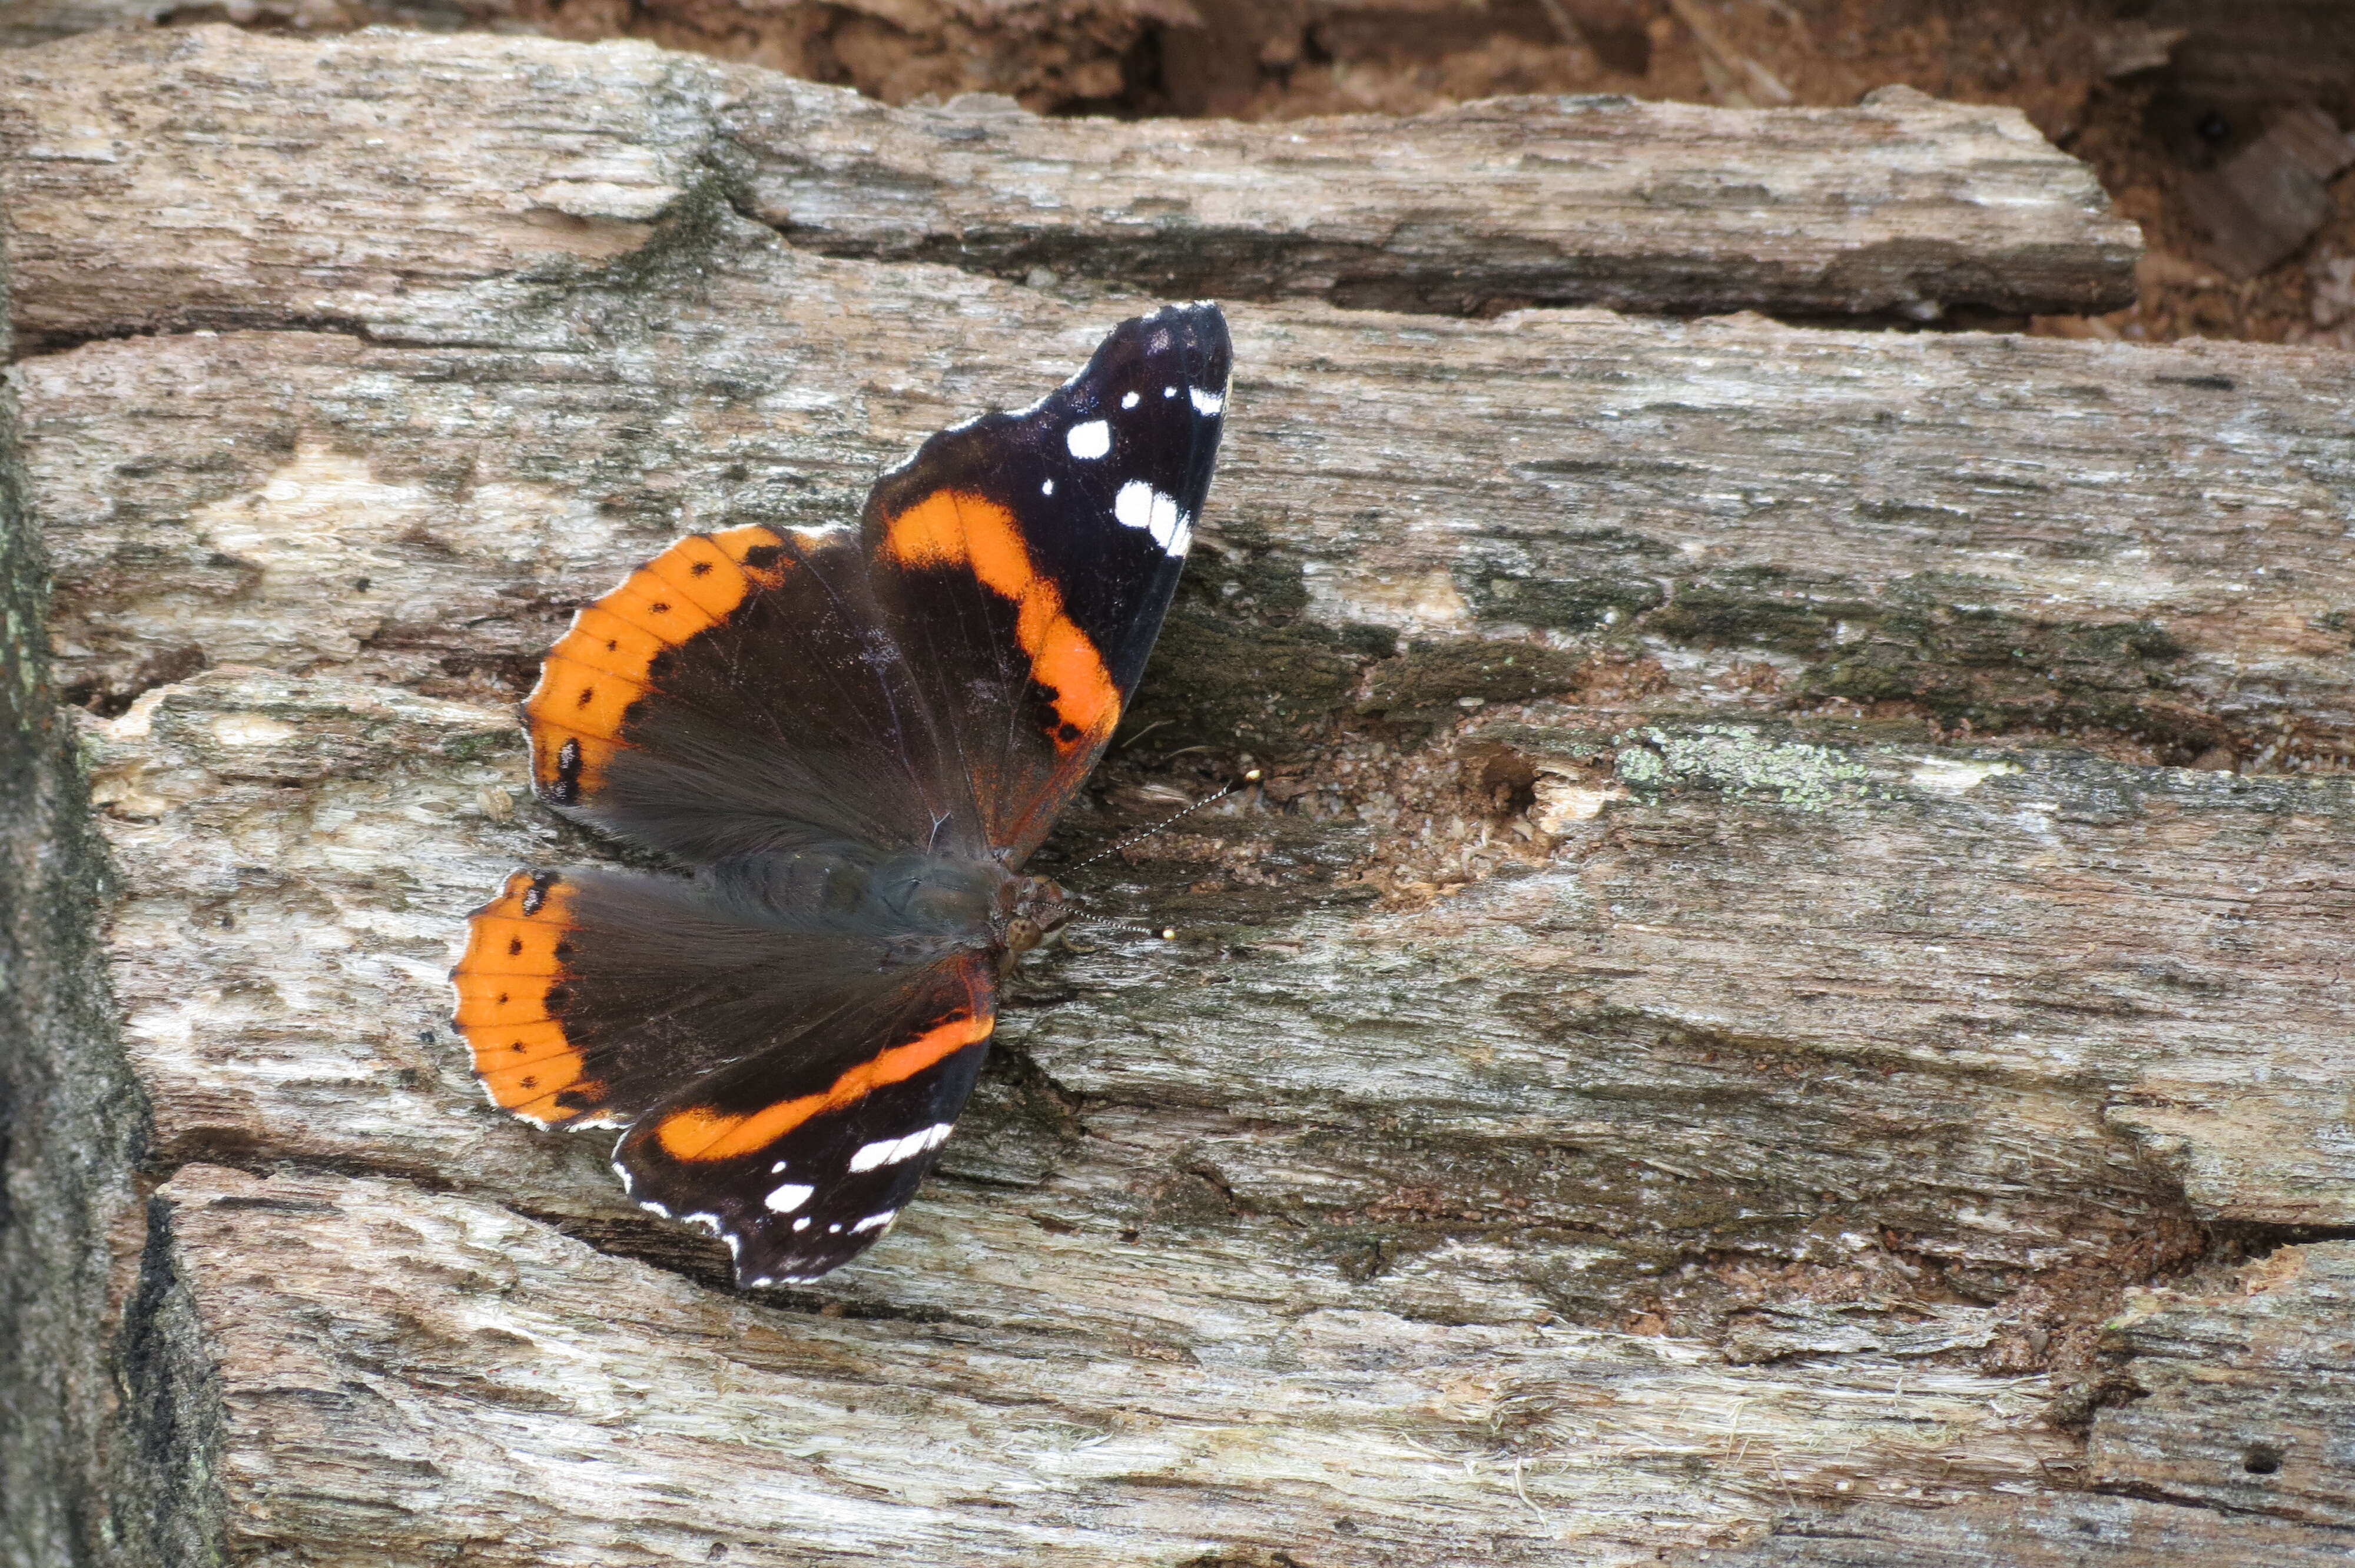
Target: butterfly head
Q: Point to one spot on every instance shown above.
(1040, 910)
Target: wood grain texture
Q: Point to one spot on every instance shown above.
(2244, 1399)
(445, 1375)
(106, 1428)
(1691, 1047)
(2114, 540)
(1714, 1003)
(1902, 204)
(534, 157)
(1511, 1111)
(2087, 1530)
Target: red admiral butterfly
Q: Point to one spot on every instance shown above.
(855, 740)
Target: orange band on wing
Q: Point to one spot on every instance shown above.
(953, 529)
(515, 948)
(700, 1134)
(607, 661)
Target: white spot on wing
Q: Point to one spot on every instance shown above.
(1207, 403)
(892, 1150)
(1139, 505)
(871, 1221)
(788, 1198)
(801, 1224)
(780, 1165)
(1046, 487)
(1092, 439)
(1129, 400)
(1169, 391)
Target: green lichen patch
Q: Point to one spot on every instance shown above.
(479, 746)
(1571, 743)
(1994, 671)
(1241, 570)
(683, 242)
(1240, 667)
(1743, 764)
(1927, 644)
(1582, 604)
(1242, 687)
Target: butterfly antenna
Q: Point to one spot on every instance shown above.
(1251, 777)
(1096, 923)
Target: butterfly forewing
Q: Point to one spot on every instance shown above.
(774, 714)
(1026, 561)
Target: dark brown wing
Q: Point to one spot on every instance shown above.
(741, 692)
(793, 710)
(1024, 562)
(802, 1158)
(945, 679)
(587, 996)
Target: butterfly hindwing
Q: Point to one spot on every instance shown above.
(802, 1158)
(589, 995)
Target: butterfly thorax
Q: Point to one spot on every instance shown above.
(916, 906)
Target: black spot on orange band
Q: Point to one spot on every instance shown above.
(510, 987)
(614, 651)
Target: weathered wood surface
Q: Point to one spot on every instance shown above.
(2245, 1401)
(889, 48)
(1639, 1071)
(2106, 538)
(534, 156)
(272, 948)
(1904, 204)
(444, 1371)
(69, 1127)
(1280, 1159)
(2083, 1530)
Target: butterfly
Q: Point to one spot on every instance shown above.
(848, 741)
